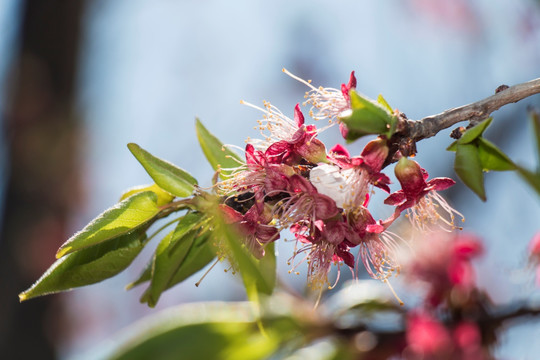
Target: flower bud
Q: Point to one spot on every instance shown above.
(313, 151)
(375, 153)
(410, 175)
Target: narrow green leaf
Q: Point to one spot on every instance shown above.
(167, 261)
(469, 168)
(219, 156)
(187, 223)
(452, 147)
(129, 214)
(268, 265)
(145, 276)
(476, 131)
(533, 179)
(88, 266)
(255, 279)
(224, 331)
(165, 265)
(163, 197)
(382, 101)
(200, 253)
(492, 158)
(168, 176)
(535, 124)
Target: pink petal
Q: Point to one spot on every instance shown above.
(426, 335)
(352, 81)
(300, 136)
(254, 157)
(440, 183)
(375, 228)
(346, 256)
(396, 198)
(374, 154)
(335, 231)
(275, 181)
(324, 207)
(424, 173)
(230, 215)
(345, 91)
(298, 184)
(407, 204)
(343, 130)
(467, 246)
(266, 233)
(313, 151)
(298, 228)
(298, 116)
(460, 272)
(278, 152)
(467, 336)
(534, 245)
(340, 150)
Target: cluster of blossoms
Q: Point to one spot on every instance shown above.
(445, 326)
(290, 181)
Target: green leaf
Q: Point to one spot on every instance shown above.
(268, 264)
(533, 179)
(201, 253)
(469, 168)
(452, 147)
(535, 124)
(88, 266)
(168, 176)
(367, 117)
(476, 131)
(145, 276)
(170, 269)
(219, 156)
(382, 101)
(222, 331)
(254, 274)
(167, 261)
(187, 223)
(198, 257)
(163, 197)
(129, 214)
(492, 158)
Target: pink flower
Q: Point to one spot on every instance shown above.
(287, 141)
(328, 103)
(254, 226)
(425, 206)
(302, 145)
(370, 161)
(468, 341)
(323, 245)
(426, 336)
(443, 261)
(378, 248)
(256, 179)
(304, 203)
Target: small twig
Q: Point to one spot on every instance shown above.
(477, 111)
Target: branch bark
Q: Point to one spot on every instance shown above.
(477, 111)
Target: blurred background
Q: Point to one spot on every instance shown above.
(80, 79)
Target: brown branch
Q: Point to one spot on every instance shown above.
(477, 111)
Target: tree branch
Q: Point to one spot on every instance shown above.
(477, 111)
